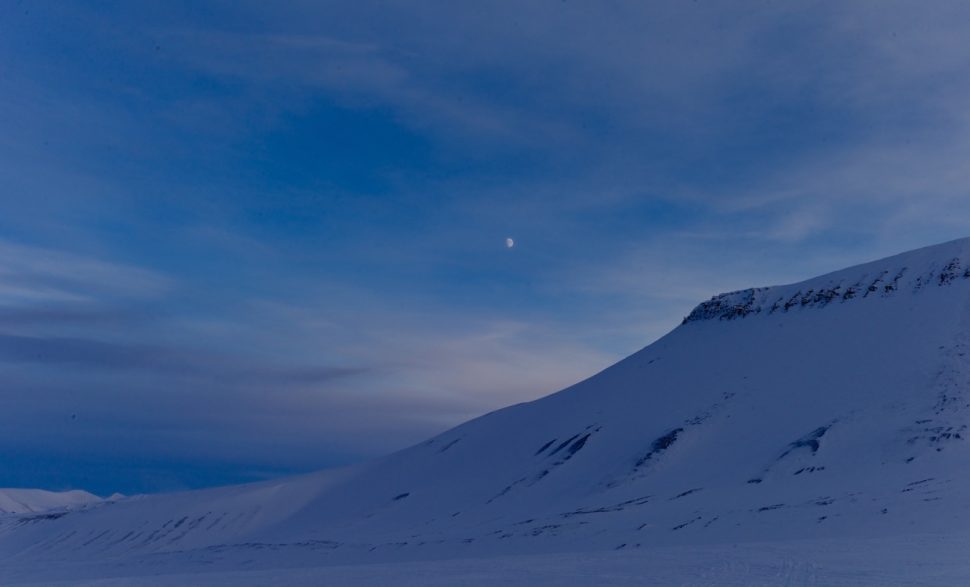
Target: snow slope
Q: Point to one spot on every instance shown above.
(831, 409)
(21, 501)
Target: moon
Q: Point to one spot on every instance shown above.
(509, 243)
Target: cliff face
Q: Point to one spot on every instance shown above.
(938, 266)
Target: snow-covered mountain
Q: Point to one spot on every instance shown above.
(834, 407)
(22, 501)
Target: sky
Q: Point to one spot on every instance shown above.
(245, 239)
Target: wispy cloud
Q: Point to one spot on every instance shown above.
(30, 274)
(287, 71)
(348, 379)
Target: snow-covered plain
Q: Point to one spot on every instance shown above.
(809, 434)
(919, 560)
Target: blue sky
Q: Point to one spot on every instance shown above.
(246, 239)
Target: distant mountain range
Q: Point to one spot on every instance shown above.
(25, 501)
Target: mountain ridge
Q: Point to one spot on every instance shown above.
(938, 265)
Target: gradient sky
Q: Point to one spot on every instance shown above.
(241, 239)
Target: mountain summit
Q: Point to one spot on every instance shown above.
(834, 407)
